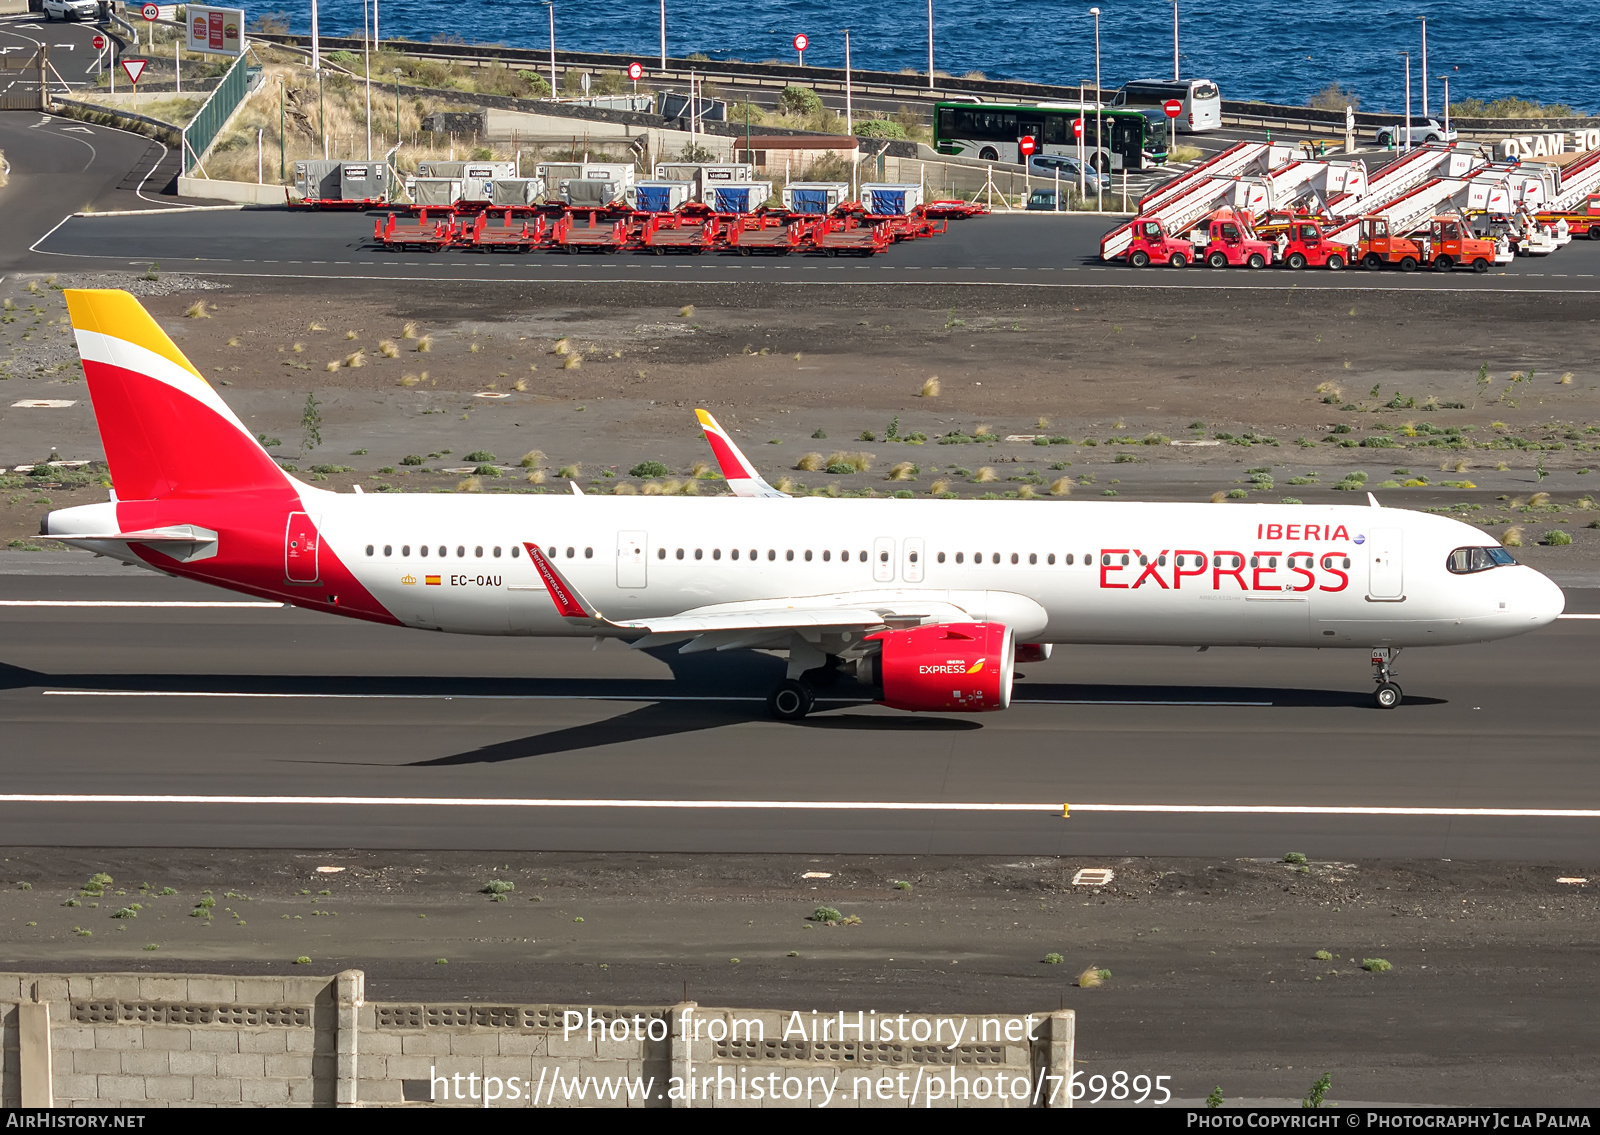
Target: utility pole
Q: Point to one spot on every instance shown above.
(1099, 189)
(1446, 80)
(366, 66)
(1424, 20)
(1405, 131)
(280, 131)
(663, 35)
(316, 50)
(930, 45)
(849, 120)
(550, 5)
(1174, 41)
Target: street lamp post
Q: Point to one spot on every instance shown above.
(663, 35)
(1405, 130)
(316, 50)
(930, 45)
(1174, 41)
(366, 66)
(1445, 79)
(1424, 20)
(1099, 192)
(397, 106)
(551, 6)
(849, 119)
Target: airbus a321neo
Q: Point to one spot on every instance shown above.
(931, 603)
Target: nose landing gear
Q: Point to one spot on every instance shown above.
(1388, 694)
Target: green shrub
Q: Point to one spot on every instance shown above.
(1294, 857)
(799, 100)
(479, 455)
(498, 887)
(411, 459)
(1053, 959)
(826, 914)
(1376, 965)
(649, 469)
(1556, 538)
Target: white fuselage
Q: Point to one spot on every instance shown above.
(1057, 572)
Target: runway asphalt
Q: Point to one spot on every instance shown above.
(280, 708)
(1007, 250)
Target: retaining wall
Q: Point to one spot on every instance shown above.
(159, 1040)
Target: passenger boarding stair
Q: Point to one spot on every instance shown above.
(1578, 181)
(1200, 191)
(1399, 177)
(1306, 177)
(1412, 209)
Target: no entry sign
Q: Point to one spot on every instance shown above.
(635, 71)
(1027, 146)
(134, 68)
(1077, 128)
(1172, 107)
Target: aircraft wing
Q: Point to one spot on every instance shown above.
(740, 475)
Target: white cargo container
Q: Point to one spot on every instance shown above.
(554, 173)
(659, 196)
(738, 197)
(705, 176)
(890, 200)
(815, 197)
(620, 172)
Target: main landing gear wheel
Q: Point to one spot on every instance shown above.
(1387, 695)
(790, 700)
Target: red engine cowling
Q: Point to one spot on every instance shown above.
(965, 667)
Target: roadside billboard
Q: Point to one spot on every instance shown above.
(216, 31)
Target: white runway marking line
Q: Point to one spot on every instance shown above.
(133, 603)
(794, 805)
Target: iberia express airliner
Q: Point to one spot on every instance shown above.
(930, 602)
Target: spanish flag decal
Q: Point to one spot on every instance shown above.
(431, 580)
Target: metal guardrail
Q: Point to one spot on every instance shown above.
(214, 113)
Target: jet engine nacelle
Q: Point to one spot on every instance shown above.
(965, 667)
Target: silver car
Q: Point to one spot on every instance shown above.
(1046, 166)
(71, 9)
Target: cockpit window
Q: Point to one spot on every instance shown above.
(1465, 561)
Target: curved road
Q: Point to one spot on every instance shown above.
(316, 722)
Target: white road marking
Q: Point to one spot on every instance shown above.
(792, 805)
(126, 603)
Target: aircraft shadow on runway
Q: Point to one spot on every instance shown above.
(742, 678)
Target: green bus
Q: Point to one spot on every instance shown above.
(1128, 139)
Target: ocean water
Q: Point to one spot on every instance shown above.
(1488, 49)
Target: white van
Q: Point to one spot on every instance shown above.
(1202, 101)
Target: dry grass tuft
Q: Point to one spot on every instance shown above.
(858, 462)
(984, 475)
(1061, 487)
(983, 429)
(570, 472)
(425, 343)
(1566, 379)
(1090, 978)
(532, 459)
(686, 311)
(315, 326)
(930, 388)
(1538, 500)
(562, 347)
(233, 341)
(388, 350)
(470, 485)
(1501, 466)
(536, 477)
(1511, 538)
(701, 469)
(409, 329)
(474, 349)
(811, 463)
(1460, 465)
(573, 362)
(1042, 424)
(1219, 496)
(939, 487)
(197, 310)
(786, 485)
(902, 471)
(652, 488)
(624, 489)
(298, 348)
(520, 386)
(351, 335)
(356, 358)
(1026, 493)
(331, 367)
(409, 380)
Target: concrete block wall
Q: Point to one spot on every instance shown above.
(145, 1040)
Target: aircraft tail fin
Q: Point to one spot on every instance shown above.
(741, 476)
(166, 431)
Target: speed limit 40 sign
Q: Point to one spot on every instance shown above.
(150, 12)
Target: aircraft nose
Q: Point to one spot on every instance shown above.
(1544, 600)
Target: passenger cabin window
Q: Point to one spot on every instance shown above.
(515, 551)
(388, 549)
(405, 549)
(422, 550)
(369, 549)
(1465, 561)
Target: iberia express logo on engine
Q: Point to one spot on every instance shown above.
(957, 666)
